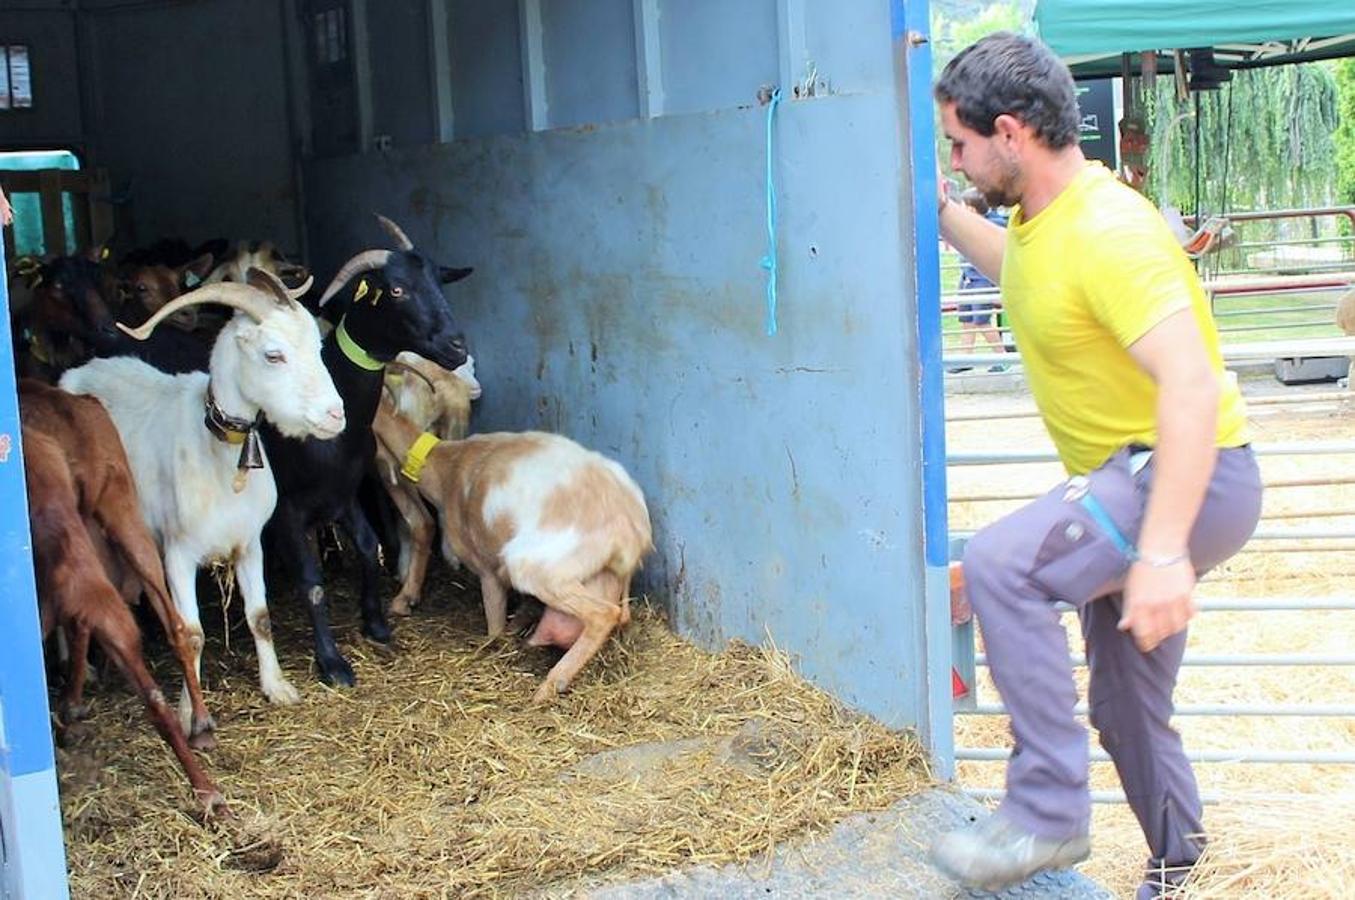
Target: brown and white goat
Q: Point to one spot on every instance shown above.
(257, 255)
(541, 514)
(108, 502)
(437, 401)
(74, 593)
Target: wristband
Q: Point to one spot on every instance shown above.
(1163, 562)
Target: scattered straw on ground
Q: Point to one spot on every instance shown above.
(437, 777)
(1261, 846)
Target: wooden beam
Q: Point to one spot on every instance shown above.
(101, 223)
(53, 216)
(32, 182)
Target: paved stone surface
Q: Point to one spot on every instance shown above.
(872, 855)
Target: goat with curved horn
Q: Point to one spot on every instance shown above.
(249, 300)
(397, 234)
(365, 261)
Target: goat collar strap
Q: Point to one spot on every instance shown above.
(356, 355)
(418, 456)
(231, 430)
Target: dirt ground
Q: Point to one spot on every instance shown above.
(1267, 807)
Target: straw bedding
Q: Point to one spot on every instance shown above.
(437, 777)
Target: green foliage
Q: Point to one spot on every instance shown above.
(1344, 139)
(951, 33)
(1274, 148)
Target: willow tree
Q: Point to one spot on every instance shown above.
(1266, 141)
(1344, 71)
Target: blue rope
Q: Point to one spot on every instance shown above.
(769, 261)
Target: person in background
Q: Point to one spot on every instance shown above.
(976, 315)
(1121, 353)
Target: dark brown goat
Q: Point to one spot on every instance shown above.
(107, 501)
(74, 593)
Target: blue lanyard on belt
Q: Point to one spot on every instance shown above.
(1107, 525)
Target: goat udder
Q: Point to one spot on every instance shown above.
(556, 629)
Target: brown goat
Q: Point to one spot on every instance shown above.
(147, 287)
(538, 513)
(107, 501)
(75, 594)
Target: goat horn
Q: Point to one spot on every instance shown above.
(397, 234)
(365, 261)
(266, 280)
(396, 364)
(249, 300)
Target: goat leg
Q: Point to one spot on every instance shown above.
(597, 605)
(117, 634)
(420, 544)
(354, 521)
(139, 554)
(72, 696)
(292, 542)
(249, 576)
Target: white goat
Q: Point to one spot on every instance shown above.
(190, 440)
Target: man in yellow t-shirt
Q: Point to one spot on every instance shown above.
(1122, 356)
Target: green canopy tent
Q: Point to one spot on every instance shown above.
(1093, 35)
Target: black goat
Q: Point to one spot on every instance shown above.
(394, 302)
(70, 319)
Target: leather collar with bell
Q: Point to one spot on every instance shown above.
(231, 430)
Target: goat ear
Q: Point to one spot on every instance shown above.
(97, 253)
(192, 274)
(270, 284)
(447, 274)
(292, 274)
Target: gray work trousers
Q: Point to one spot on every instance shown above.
(1053, 549)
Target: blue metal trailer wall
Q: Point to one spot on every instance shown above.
(607, 181)
(32, 859)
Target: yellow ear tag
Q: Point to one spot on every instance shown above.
(103, 254)
(361, 291)
(376, 295)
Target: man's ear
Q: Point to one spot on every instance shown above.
(1009, 127)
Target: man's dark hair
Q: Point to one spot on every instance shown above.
(1010, 74)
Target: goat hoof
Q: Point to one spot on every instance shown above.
(336, 673)
(377, 631)
(401, 606)
(214, 806)
(283, 693)
(203, 740)
(75, 712)
(72, 733)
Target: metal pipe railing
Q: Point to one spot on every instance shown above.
(1256, 660)
(1266, 215)
(1241, 710)
(1012, 457)
(1309, 757)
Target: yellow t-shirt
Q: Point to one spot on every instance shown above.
(1081, 282)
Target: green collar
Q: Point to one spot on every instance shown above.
(356, 355)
